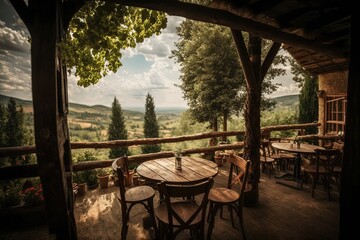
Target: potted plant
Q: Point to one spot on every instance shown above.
(103, 178)
(80, 182)
(88, 176)
(218, 158)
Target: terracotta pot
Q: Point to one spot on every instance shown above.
(103, 180)
(81, 189)
(218, 161)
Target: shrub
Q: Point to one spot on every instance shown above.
(10, 197)
(33, 195)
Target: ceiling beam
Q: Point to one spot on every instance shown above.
(225, 18)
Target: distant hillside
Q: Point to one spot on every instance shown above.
(73, 107)
(288, 100)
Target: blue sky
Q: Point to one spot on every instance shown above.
(146, 69)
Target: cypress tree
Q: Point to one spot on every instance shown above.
(117, 130)
(151, 127)
(308, 103)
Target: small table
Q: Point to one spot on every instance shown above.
(303, 149)
(194, 170)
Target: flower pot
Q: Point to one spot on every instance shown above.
(103, 180)
(218, 161)
(81, 189)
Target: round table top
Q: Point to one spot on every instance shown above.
(194, 169)
(290, 147)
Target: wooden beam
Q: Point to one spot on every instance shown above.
(269, 59)
(243, 55)
(225, 18)
(21, 171)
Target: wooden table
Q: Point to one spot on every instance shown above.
(292, 148)
(194, 169)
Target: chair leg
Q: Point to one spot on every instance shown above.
(212, 220)
(152, 215)
(211, 206)
(314, 179)
(124, 230)
(241, 222)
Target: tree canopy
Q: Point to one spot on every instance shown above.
(99, 31)
(212, 78)
(212, 81)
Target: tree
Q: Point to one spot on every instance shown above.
(117, 130)
(99, 31)
(151, 127)
(212, 81)
(256, 64)
(212, 78)
(14, 131)
(308, 100)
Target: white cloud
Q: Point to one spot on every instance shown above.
(156, 74)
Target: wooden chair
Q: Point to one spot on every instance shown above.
(233, 199)
(266, 160)
(283, 160)
(338, 165)
(179, 213)
(322, 169)
(128, 198)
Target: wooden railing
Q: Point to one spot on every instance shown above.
(24, 171)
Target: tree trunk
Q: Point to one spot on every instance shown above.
(224, 138)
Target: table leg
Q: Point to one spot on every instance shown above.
(294, 181)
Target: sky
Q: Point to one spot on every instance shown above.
(146, 69)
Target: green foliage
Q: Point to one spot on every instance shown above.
(10, 196)
(308, 107)
(151, 126)
(117, 130)
(13, 131)
(212, 80)
(99, 31)
(87, 176)
(14, 126)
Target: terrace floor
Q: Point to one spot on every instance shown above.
(281, 213)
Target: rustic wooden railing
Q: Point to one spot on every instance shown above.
(24, 171)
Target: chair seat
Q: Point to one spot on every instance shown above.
(223, 195)
(185, 209)
(139, 194)
(287, 155)
(312, 169)
(337, 169)
(267, 159)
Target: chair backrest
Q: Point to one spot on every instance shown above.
(265, 149)
(120, 167)
(239, 172)
(327, 158)
(173, 192)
